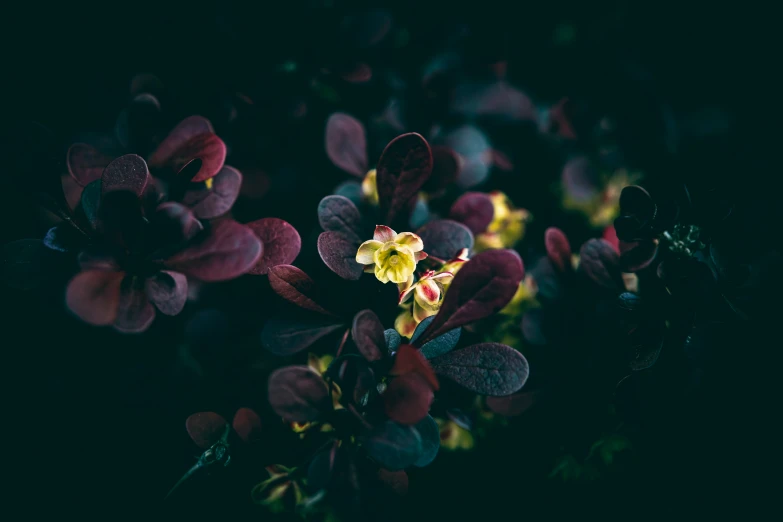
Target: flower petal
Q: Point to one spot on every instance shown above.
(405, 324)
(427, 292)
(365, 254)
(420, 313)
(410, 240)
(380, 274)
(384, 234)
(405, 289)
(420, 255)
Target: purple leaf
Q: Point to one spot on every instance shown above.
(410, 360)
(295, 286)
(94, 296)
(247, 425)
(281, 243)
(430, 440)
(285, 337)
(514, 404)
(338, 252)
(228, 251)
(346, 143)
(210, 203)
(407, 399)
(475, 153)
(168, 291)
(354, 376)
(497, 99)
(483, 286)
(474, 210)
(558, 249)
(638, 255)
(86, 163)
(339, 214)
(404, 167)
(438, 346)
(192, 138)
(298, 394)
(128, 172)
(601, 263)
(367, 333)
(205, 428)
(486, 369)
(135, 312)
(445, 169)
(172, 223)
(445, 238)
(394, 446)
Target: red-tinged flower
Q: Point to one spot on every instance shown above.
(391, 256)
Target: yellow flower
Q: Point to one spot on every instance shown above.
(405, 324)
(453, 436)
(391, 256)
(507, 226)
(604, 207)
(370, 187)
(455, 264)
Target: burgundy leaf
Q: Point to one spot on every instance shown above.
(295, 286)
(368, 335)
(205, 428)
(338, 252)
(580, 179)
(174, 223)
(393, 445)
(339, 214)
(474, 210)
(208, 203)
(483, 285)
(228, 251)
(346, 143)
(445, 169)
(94, 296)
(610, 236)
(168, 291)
(404, 167)
(410, 360)
(514, 404)
(135, 312)
(601, 263)
(637, 255)
(288, 336)
(72, 191)
(192, 138)
(86, 163)
(281, 243)
(247, 424)
(396, 481)
(558, 249)
(128, 172)
(298, 394)
(445, 238)
(487, 368)
(407, 399)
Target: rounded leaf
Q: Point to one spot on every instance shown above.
(445, 238)
(474, 210)
(208, 203)
(346, 143)
(580, 180)
(430, 440)
(168, 291)
(135, 313)
(298, 394)
(295, 286)
(86, 163)
(407, 399)
(94, 296)
(638, 255)
(205, 428)
(393, 445)
(192, 138)
(247, 424)
(289, 336)
(484, 285)
(338, 252)
(487, 368)
(281, 243)
(514, 404)
(368, 335)
(227, 251)
(445, 169)
(601, 263)
(404, 167)
(128, 172)
(557, 248)
(339, 214)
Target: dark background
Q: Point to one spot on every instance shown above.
(83, 434)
